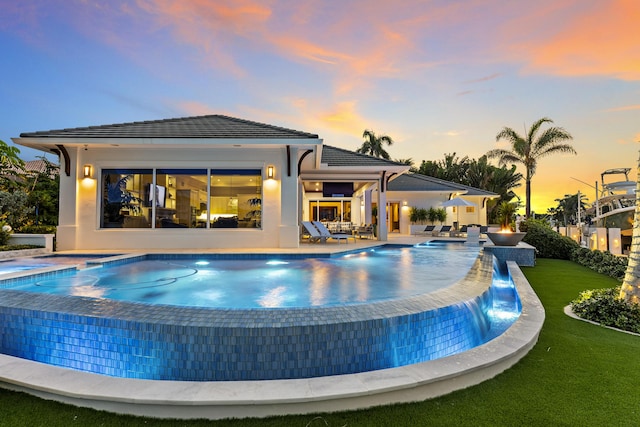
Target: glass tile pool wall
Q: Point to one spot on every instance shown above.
(201, 344)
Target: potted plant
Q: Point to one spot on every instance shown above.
(432, 215)
(417, 217)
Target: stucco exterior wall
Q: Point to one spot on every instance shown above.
(80, 200)
(427, 200)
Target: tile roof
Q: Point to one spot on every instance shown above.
(38, 166)
(334, 156)
(419, 182)
(211, 126)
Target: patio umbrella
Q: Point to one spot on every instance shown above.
(457, 201)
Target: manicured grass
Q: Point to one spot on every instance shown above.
(577, 375)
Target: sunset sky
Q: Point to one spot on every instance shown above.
(438, 76)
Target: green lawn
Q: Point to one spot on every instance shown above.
(577, 375)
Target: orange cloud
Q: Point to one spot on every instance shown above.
(601, 40)
(192, 108)
(344, 118)
(625, 108)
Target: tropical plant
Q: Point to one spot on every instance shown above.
(5, 233)
(451, 168)
(479, 174)
(116, 197)
(255, 210)
(14, 208)
(432, 215)
(506, 211)
(374, 144)
(43, 196)
(11, 167)
(441, 215)
(530, 149)
(408, 162)
(567, 210)
(418, 215)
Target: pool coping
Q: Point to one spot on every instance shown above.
(241, 399)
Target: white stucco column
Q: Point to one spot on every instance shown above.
(367, 199)
(289, 195)
(67, 229)
(382, 212)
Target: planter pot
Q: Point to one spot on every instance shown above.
(506, 239)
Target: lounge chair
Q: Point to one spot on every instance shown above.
(444, 230)
(473, 236)
(326, 234)
(427, 230)
(484, 229)
(436, 231)
(364, 231)
(313, 233)
(461, 232)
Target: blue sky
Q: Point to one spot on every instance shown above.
(438, 76)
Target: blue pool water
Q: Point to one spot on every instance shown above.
(374, 275)
(44, 261)
(322, 331)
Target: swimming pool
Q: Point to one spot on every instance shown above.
(155, 341)
(10, 266)
(266, 281)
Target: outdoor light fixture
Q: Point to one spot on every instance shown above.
(270, 172)
(86, 171)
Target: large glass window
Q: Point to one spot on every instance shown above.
(329, 210)
(123, 196)
(236, 199)
(182, 198)
(178, 198)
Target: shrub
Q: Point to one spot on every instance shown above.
(38, 229)
(547, 242)
(18, 247)
(4, 237)
(602, 262)
(607, 308)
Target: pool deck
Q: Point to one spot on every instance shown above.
(241, 399)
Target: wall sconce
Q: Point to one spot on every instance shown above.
(86, 171)
(270, 172)
(405, 203)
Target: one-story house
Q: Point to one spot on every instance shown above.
(202, 182)
(420, 191)
(219, 182)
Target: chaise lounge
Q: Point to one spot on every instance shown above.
(326, 234)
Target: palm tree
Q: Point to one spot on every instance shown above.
(373, 144)
(530, 149)
(630, 290)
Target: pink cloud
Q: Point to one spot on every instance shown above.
(596, 39)
(624, 108)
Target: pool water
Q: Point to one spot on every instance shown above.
(373, 275)
(31, 263)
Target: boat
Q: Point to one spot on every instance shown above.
(615, 202)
